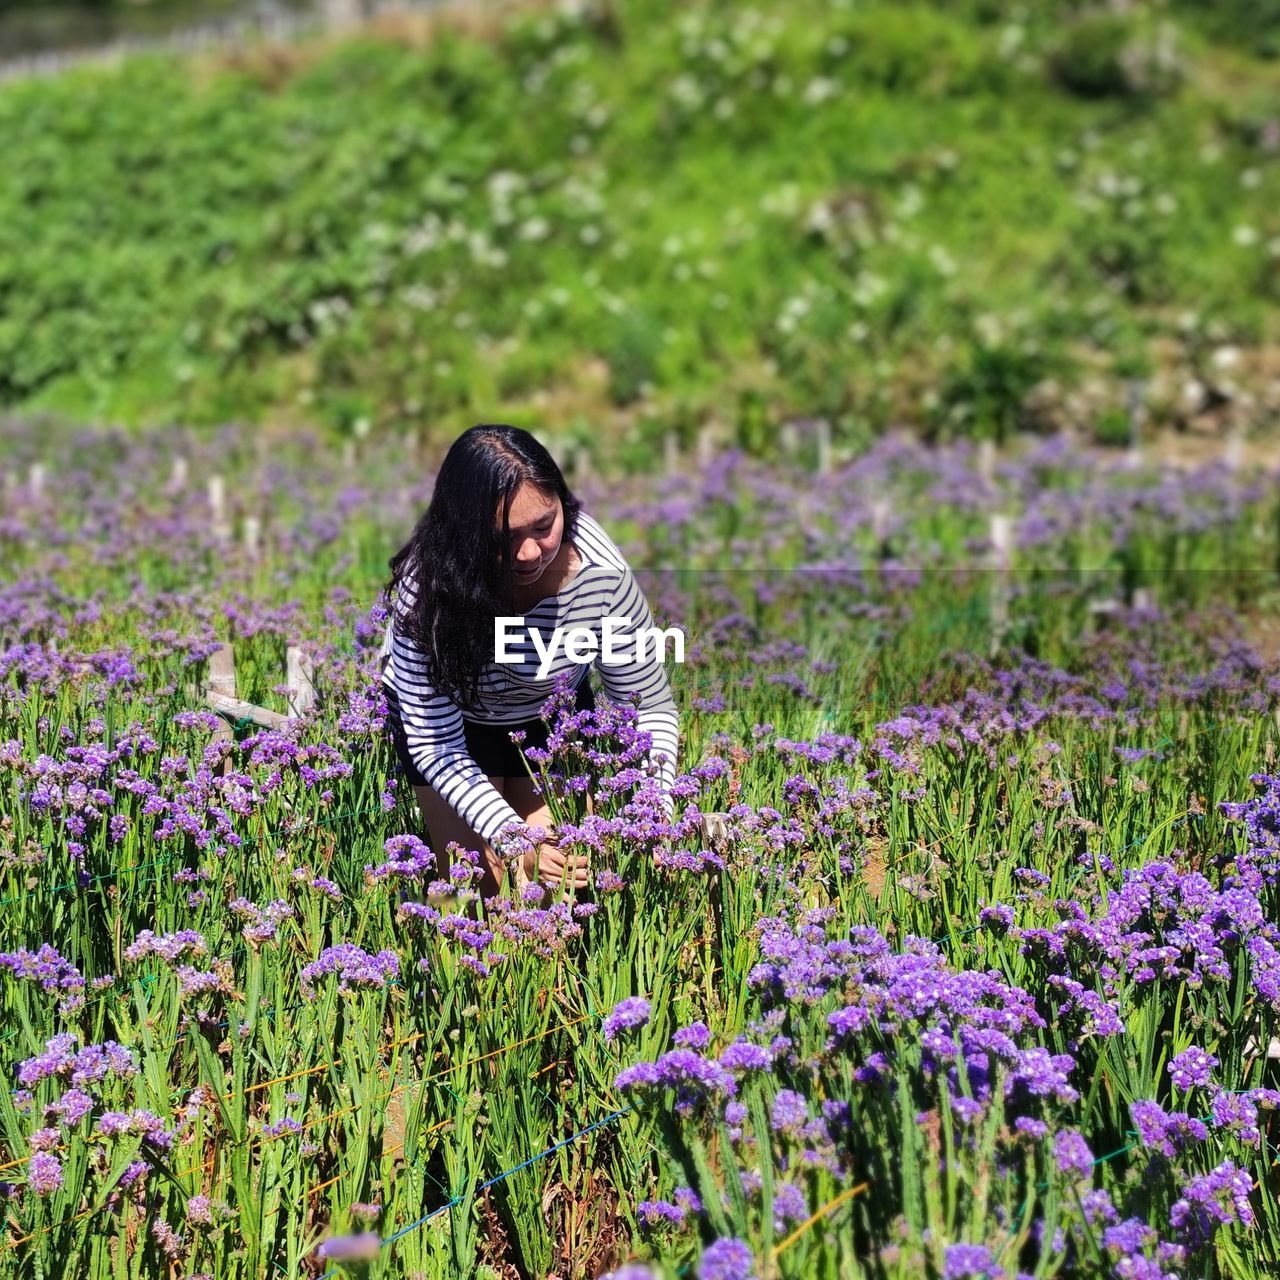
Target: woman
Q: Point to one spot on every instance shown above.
(504, 537)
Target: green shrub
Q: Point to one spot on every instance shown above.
(988, 390)
(1252, 24)
(1107, 55)
(1112, 427)
(632, 349)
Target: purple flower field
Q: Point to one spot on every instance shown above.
(982, 978)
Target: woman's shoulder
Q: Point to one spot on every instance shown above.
(594, 543)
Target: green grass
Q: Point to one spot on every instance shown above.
(204, 242)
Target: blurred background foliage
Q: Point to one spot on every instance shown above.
(975, 217)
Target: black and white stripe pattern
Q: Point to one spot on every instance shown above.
(604, 586)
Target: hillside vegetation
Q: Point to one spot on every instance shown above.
(974, 217)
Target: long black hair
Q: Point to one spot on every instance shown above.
(460, 561)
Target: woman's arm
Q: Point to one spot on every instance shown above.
(656, 712)
(433, 730)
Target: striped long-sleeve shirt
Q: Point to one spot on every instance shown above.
(603, 587)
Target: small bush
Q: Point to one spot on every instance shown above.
(1252, 24)
(1105, 55)
(989, 390)
(1112, 427)
(632, 351)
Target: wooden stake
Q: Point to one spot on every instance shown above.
(671, 452)
(1136, 414)
(715, 829)
(218, 506)
(222, 671)
(881, 512)
(35, 480)
(222, 685)
(252, 535)
(220, 694)
(706, 444)
(1233, 453)
(299, 672)
(987, 461)
(822, 434)
(178, 477)
(1001, 560)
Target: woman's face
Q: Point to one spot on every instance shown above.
(537, 525)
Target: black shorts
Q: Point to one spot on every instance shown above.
(487, 743)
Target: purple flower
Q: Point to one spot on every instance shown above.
(354, 1248)
(998, 918)
(970, 1262)
(652, 1212)
(44, 1173)
(73, 1106)
(629, 1014)
(199, 1210)
(355, 968)
(694, 1077)
(727, 1259)
(1212, 1200)
(1237, 1112)
(1192, 1068)
(695, 1036)
(1167, 1133)
(1071, 1153)
(170, 946)
(742, 1055)
(790, 1111)
(51, 971)
(789, 1205)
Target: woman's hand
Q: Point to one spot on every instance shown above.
(556, 867)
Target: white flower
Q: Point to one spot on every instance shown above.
(820, 218)
(943, 263)
(1245, 236)
(419, 297)
(534, 229)
(910, 202)
(504, 183)
(687, 92)
(819, 90)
